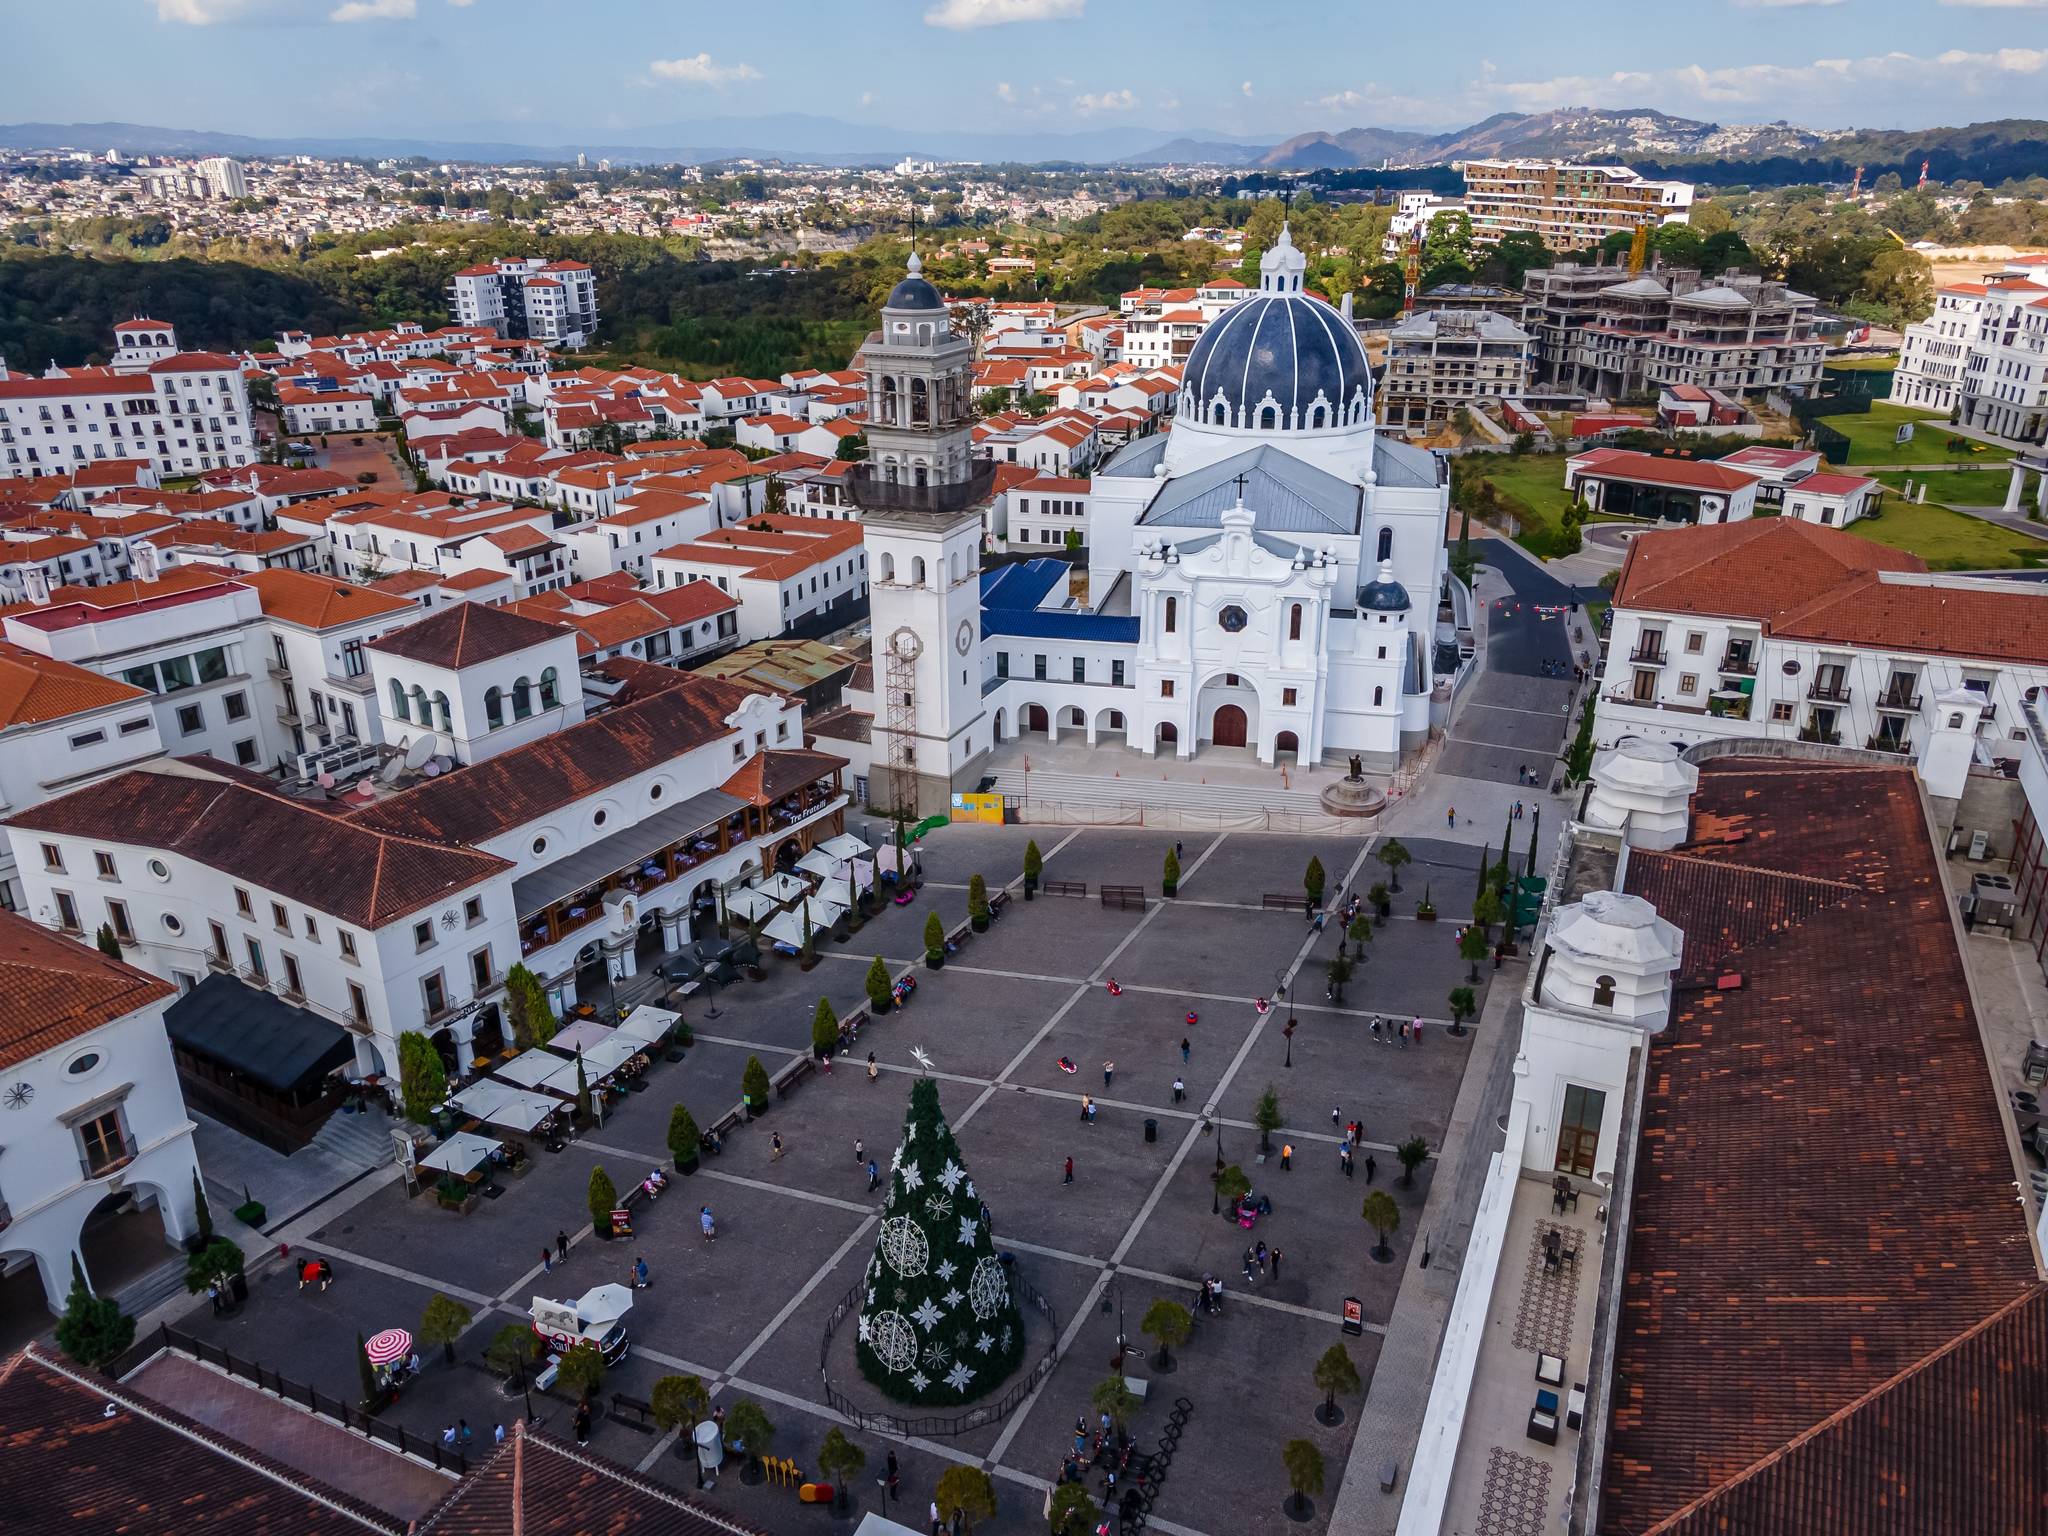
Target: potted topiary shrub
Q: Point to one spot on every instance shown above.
(824, 1031)
(601, 1198)
(1034, 866)
(977, 904)
(1169, 878)
(1425, 909)
(879, 1000)
(683, 1140)
(754, 1086)
(934, 942)
(1378, 899)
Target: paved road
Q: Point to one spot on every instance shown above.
(1514, 714)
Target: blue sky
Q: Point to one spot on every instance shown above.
(595, 70)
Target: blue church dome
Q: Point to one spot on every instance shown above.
(914, 292)
(1383, 594)
(1279, 360)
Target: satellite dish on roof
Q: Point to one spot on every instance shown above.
(392, 771)
(432, 770)
(324, 779)
(367, 789)
(418, 751)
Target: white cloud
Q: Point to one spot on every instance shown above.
(1005, 91)
(1169, 103)
(201, 13)
(1106, 101)
(961, 14)
(1246, 88)
(461, 3)
(375, 10)
(867, 98)
(699, 69)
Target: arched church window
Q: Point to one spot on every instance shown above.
(550, 685)
(1317, 414)
(1294, 622)
(1603, 992)
(920, 405)
(522, 698)
(1269, 418)
(1172, 613)
(1221, 413)
(1386, 544)
(441, 712)
(1378, 696)
(917, 571)
(888, 567)
(399, 706)
(494, 707)
(419, 699)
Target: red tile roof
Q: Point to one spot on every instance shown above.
(463, 634)
(1650, 469)
(767, 776)
(1823, 1183)
(91, 1458)
(1805, 582)
(300, 597)
(58, 989)
(355, 871)
(35, 688)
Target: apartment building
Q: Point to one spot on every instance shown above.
(1982, 356)
(1441, 361)
(554, 302)
(787, 572)
(1599, 331)
(1570, 207)
(1781, 629)
(185, 413)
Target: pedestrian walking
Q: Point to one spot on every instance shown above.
(705, 1224)
(1108, 1072)
(938, 1526)
(448, 1435)
(874, 1176)
(1333, 1117)
(1451, 815)
(1344, 1158)
(1401, 1030)
(640, 1278)
(561, 1247)
(1276, 1266)
(1251, 1257)
(959, 1520)
(1185, 1050)
(859, 1151)
(775, 1147)
(583, 1422)
(1262, 1256)
(1371, 1167)
(1287, 1156)
(1070, 1172)
(547, 1261)
(498, 1434)
(1415, 1028)
(1180, 1090)
(1322, 914)
(1176, 849)
(463, 1433)
(893, 1493)
(1375, 1026)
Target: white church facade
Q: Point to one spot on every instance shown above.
(1264, 578)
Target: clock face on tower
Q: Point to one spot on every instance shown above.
(963, 637)
(906, 644)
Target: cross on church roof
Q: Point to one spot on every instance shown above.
(1241, 480)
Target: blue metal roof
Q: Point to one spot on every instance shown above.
(1285, 494)
(1023, 585)
(1292, 347)
(1055, 624)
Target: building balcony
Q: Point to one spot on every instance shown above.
(1814, 733)
(107, 1161)
(874, 493)
(1900, 744)
(1902, 701)
(1738, 664)
(1649, 653)
(1828, 693)
(1630, 701)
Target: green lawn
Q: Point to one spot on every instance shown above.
(1875, 364)
(1531, 488)
(1954, 487)
(1951, 541)
(1870, 438)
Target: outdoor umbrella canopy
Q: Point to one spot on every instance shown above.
(647, 1024)
(747, 905)
(607, 1056)
(785, 928)
(392, 1344)
(820, 863)
(460, 1153)
(580, 1036)
(844, 845)
(537, 1068)
(784, 887)
(513, 1108)
(604, 1304)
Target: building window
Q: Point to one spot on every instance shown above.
(245, 752)
(1166, 688)
(549, 692)
(292, 982)
(473, 910)
(256, 967)
(494, 708)
(1002, 663)
(422, 936)
(1116, 674)
(1232, 619)
(1578, 1134)
(220, 942)
(1038, 668)
(191, 719)
(236, 705)
(480, 969)
(1603, 992)
(434, 993)
(312, 929)
(117, 919)
(1287, 695)
(1781, 711)
(86, 739)
(53, 858)
(103, 862)
(104, 1144)
(1688, 682)
(1294, 622)
(1386, 544)
(1694, 642)
(1080, 669)
(242, 903)
(280, 919)
(358, 1004)
(347, 941)
(1172, 613)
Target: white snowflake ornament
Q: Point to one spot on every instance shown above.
(919, 1380)
(951, 1175)
(985, 1343)
(927, 1314)
(959, 1376)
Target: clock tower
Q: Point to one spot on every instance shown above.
(921, 495)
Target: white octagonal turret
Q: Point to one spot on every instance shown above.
(1613, 954)
(1646, 788)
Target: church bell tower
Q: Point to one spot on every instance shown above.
(921, 495)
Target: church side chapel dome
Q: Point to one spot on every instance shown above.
(1383, 594)
(914, 292)
(1281, 361)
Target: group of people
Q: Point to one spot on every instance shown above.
(1392, 1031)
(1258, 1257)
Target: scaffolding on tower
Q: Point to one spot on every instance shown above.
(902, 682)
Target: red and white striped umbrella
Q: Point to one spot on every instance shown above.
(392, 1344)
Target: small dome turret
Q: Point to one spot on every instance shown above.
(914, 292)
(1383, 594)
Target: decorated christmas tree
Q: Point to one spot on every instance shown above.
(938, 1324)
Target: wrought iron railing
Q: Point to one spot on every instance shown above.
(867, 485)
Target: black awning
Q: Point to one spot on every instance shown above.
(257, 1034)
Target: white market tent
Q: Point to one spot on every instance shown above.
(786, 928)
(460, 1154)
(498, 1104)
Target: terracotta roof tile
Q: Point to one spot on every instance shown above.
(35, 688)
(300, 597)
(767, 776)
(463, 634)
(58, 989)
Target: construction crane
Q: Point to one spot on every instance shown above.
(1923, 176)
(1856, 186)
(1411, 273)
(1639, 250)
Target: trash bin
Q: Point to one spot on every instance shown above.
(1151, 1129)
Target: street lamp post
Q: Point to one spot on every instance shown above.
(1211, 1120)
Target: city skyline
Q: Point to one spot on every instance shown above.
(415, 68)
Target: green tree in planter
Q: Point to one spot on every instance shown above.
(1232, 1186)
(967, 1490)
(683, 1137)
(1266, 1116)
(940, 1325)
(582, 1369)
(201, 1211)
(1169, 880)
(510, 1351)
(934, 937)
(582, 1090)
(108, 944)
(824, 1030)
(1034, 865)
(1413, 1153)
(1304, 1471)
(1335, 1373)
(1112, 1397)
(442, 1322)
(1464, 1004)
(806, 955)
(1359, 933)
(754, 1084)
(93, 1330)
(878, 987)
(680, 1402)
(1384, 1217)
(1074, 1512)
(1578, 762)
(1168, 1325)
(1313, 881)
(746, 1423)
(1394, 855)
(603, 1199)
(533, 1022)
(422, 1084)
(840, 1460)
(216, 1264)
(1339, 972)
(977, 902)
(1473, 948)
(1486, 911)
(1376, 898)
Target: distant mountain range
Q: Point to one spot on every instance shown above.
(1633, 134)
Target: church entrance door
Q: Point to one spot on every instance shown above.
(1228, 731)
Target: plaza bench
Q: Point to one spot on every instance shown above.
(785, 1080)
(1282, 901)
(998, 902)
(725, 1125)
(632, 1412)
(1065, 887)
(1127, 898)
